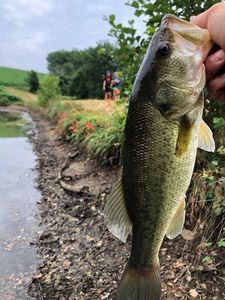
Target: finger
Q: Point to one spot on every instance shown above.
(216, 88)
(200, 20)
(214, 63)
(218, 95)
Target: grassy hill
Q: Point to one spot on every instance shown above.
(14, 77)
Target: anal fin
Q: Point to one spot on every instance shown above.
(176, 225)
(116, 217)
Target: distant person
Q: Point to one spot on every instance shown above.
(107, 86)
(116, 86)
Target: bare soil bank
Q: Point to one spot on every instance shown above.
(79, 258)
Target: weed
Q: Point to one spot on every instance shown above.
(7, 98)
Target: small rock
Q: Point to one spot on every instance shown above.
(106, 296)
(99, 244)
(178, 294)
(188, 278)
(203, 285)
(193, 293)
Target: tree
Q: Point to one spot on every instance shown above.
(132, 46)
(33, 81)
(81, 71)
(49, 89)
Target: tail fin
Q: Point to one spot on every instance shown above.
(140, 284)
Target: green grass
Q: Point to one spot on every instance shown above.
(15, 77)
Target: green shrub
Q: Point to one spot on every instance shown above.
(32, 81)
(100, 133)
(49, 90)
(4, 101)
(106, 141)
(7, 99)
(55, 108)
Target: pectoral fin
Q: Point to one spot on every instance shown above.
(184, 137)
(116, 217)
(177, 222)
(205, 138)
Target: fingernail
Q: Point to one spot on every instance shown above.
(218, 56)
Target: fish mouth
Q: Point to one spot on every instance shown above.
(189, 36)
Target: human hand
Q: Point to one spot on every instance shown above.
(213, 19)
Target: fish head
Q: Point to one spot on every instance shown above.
(172, 74)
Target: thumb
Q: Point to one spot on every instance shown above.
(200, 20)
(213, 19)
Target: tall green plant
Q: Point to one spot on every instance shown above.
(131, 45)
(49, 89)
(33, 81)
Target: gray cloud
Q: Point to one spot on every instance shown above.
(30, 29)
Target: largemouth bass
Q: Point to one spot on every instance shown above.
(163, 130)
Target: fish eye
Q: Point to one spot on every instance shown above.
(163, 49)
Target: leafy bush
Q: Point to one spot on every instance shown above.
(131, 44)
(56, 108)
(105, 143)
(49, 90)
(32, 81)
(100, 133)
(7, 99)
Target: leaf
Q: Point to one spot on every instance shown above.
(207, 260)
(112, 19)
(187, 235)
(138, 13)
(221, 243)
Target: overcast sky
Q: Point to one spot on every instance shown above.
(30, 29)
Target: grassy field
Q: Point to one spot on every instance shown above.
(25, 96)
(14, 77)
(94, 105)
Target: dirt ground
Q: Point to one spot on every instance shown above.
(79, 258)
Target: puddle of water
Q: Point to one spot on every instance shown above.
(12, 124)
(18, 198)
